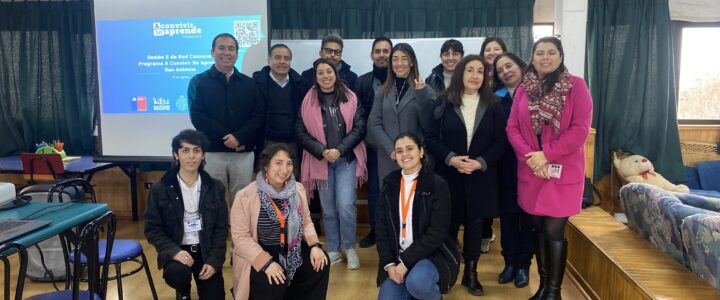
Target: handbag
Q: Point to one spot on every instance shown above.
(589, 193)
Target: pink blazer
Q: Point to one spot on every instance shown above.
(243, 227)
(554, 197)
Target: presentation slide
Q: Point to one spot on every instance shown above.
(147, 53)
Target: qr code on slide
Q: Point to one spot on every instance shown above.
(247, 32)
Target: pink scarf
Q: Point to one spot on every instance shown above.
(314, 172)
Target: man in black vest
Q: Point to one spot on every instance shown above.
(368, 85)
(282, 90)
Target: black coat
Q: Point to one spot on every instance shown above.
(348, 141)
(489, 144)
(436, 80)
(366, 91)
(219, 107)
(297, 93)
(507, 171)
(431, 216)
(164, 219)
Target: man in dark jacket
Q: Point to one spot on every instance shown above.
(227, 107)
(282, 91)
(332, 48)
(368, 85)
(451, 52)
(186, 221)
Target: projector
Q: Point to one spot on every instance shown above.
(7, 192)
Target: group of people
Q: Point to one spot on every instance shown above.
(483, 136)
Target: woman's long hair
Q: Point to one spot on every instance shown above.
(497, 83)
(548, 82)
(456, 89)
(339, 87)
(414, 74)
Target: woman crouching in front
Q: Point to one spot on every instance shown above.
(277, 252)
(418, 258)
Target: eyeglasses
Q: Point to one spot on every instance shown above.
(331, 51)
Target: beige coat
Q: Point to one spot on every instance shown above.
(243, 227)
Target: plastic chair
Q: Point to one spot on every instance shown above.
(123, 250)
(97, 277)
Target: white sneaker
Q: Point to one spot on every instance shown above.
(335, 257)
(353, 260)
(485, 244)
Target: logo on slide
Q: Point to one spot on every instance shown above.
(141, 103)
(181, 104)
(172, 29)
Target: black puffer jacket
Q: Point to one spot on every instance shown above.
(436, 80)
(164, 219)
(431, 216)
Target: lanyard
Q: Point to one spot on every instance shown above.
(282, 222)
(405, 203)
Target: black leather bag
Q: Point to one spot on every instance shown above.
(589, 194)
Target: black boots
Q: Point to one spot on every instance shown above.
(551, 257)
(470, 280)
(507, 274)
(368, 241)
(522, 277)
(541, 261)
(182, 295)
(557, 258)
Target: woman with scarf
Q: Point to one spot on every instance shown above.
(277, 252)
(548, 125)
(330, 128)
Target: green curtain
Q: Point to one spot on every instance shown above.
(48, 80)
(510, 20)
(630, 73)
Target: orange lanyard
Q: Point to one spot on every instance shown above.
(405, 203)
(282, 222)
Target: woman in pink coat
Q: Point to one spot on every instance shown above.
(549, 122)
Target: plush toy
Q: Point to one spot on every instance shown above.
(636, 168)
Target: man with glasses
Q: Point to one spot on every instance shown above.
(369, 85)
(331, 48)
(281, 87)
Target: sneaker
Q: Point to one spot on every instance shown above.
(368, 241)
(485, 244)
(353, 260)
(335, 257)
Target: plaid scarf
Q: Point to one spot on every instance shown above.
(546, 108)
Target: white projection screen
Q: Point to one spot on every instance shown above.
(147, 53)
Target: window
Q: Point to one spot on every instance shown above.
(542, 30)
(699, 84)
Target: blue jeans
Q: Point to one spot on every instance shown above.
(421, 282)
(338, 204)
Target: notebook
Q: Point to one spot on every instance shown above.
(11, 228)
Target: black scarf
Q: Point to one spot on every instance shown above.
(380, 74)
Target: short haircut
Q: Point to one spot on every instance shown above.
(332, 38)
(192, 137)
(452, 44)
(227, 35)
(279, 46)
(269, 152)
(512, 56)
(381, 39)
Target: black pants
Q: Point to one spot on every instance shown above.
(516, 239)
(178, 276)
(306, 284)
(487, 230)
(472, 234)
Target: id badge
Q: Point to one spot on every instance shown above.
(193, 223)
(554, 171)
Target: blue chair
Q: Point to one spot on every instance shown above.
(122, 250)
(97, 276)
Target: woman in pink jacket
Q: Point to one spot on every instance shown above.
(277, 253)
(549, 122)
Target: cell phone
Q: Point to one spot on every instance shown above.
(554, 171)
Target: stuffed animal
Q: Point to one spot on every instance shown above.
(636, 168)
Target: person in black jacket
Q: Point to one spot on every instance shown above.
(418, 258)
(451, 52)
(227, 107)
(331, 128)
(516, 236)
(331, 48)
(282, 91)
(186, 220)
(369, 85)
(468, 141)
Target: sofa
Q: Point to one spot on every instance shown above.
(704, 178)
(658, 216)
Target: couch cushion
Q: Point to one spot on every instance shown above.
(701, 238)
(693, 180)
(709, 174)
(701, 199)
